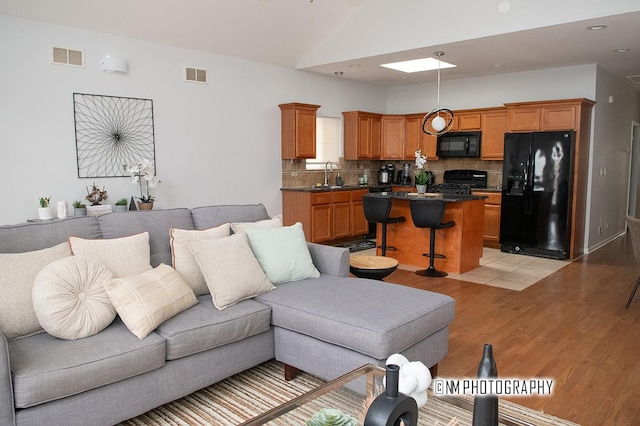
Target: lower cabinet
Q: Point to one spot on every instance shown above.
(326, 215)
(492, 205)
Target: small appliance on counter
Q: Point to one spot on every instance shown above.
(385, 175)
(403, 177)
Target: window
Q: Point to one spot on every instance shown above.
(328, 142)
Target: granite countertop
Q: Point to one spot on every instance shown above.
(488, 189)
(327, 188)
(440, 196)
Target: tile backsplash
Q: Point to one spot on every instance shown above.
(295, 174)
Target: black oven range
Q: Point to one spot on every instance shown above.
(460, 181)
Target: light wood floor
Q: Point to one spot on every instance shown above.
(571, 326)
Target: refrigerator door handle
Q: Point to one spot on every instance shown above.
(525, 188)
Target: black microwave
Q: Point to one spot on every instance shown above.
(458, 144)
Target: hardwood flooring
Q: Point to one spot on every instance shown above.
(572, 327)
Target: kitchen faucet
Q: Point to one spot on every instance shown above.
(326, 176)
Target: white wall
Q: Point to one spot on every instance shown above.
(215, 144)
(612, 133)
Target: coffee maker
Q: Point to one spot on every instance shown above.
(403, 177)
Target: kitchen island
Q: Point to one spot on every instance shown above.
(461, 244)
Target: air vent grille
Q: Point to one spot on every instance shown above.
(64, 56)
(195, 75)
(635, 79)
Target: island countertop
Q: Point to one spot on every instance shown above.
(461, 245)
(448, 198)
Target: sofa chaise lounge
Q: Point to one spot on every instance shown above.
(325, 326)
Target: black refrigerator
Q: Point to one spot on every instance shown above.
(536, 193)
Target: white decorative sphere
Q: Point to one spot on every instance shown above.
(438, 123)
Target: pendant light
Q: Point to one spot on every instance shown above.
(438, 121)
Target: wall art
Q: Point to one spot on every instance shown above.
(112, 131)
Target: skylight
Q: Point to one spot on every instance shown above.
(418, 65)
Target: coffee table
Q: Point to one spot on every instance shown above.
(348, 392)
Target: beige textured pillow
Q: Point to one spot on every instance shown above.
(123, 256)
(69, 299)
(17, 273)
(147, 300)
(230, 269)
(274, 222)
(183, 260)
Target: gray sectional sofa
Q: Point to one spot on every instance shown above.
(325, 326)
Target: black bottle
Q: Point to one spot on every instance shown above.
(485, 407)
(391, 406)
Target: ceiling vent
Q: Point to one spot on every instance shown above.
(71, 57)
(635, 79)
(195, 75)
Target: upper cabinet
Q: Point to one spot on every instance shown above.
(465, 120)
(298, 130)
(494, 124)
(362, 135)
(415, 138)
(393, 137)
(562, 114)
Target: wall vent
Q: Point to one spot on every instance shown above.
(195, 75)
(71, 57)
(635, 79)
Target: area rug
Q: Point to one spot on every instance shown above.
(245, 395)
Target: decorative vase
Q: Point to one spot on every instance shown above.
(145, 206)
(120, 208)
(79, 211)
(421, 188)
(485, 407)
(45, 213)
(390, 407)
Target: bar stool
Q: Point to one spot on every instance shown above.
(429, 214)
(376, 210)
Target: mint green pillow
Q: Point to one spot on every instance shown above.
(282, 253)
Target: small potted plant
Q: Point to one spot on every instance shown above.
(121, 205)
(96, 195)
(79, 209)
(44, 211)
(422, 176)
(143, 174)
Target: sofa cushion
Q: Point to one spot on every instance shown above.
(282, 253)
(274, 222)
(45, 368)
(230, 269)
(124, 256)
(147, 300)
(156, 222)
(182, 258)
(211, 216)
(18, 272)
(368, 316)
(204, 327)
(39, 235)
(70, 300)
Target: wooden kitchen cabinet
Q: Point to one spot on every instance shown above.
(492, 206)
(415, 138)
(544, 115)
(362, 135)
(326, 215)
(392, 137)
(466, 120)
(298, 123)
(495, 123)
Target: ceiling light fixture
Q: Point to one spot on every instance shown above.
(596, 27)
(438, 121)
(621, 50)
(418, 65)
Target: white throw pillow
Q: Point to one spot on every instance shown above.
(124, 256)
(147, 300)
(17, 273)
(182, 258)
(230, 269)
(283, 253)
(69, 299)
(274, 222)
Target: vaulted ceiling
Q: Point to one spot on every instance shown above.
(351, 38)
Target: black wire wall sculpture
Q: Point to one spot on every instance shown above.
(112, 131)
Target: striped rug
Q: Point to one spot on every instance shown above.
(245, 395)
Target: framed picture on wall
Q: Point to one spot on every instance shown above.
(111, 132)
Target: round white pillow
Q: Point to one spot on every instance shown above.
(70, 300)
